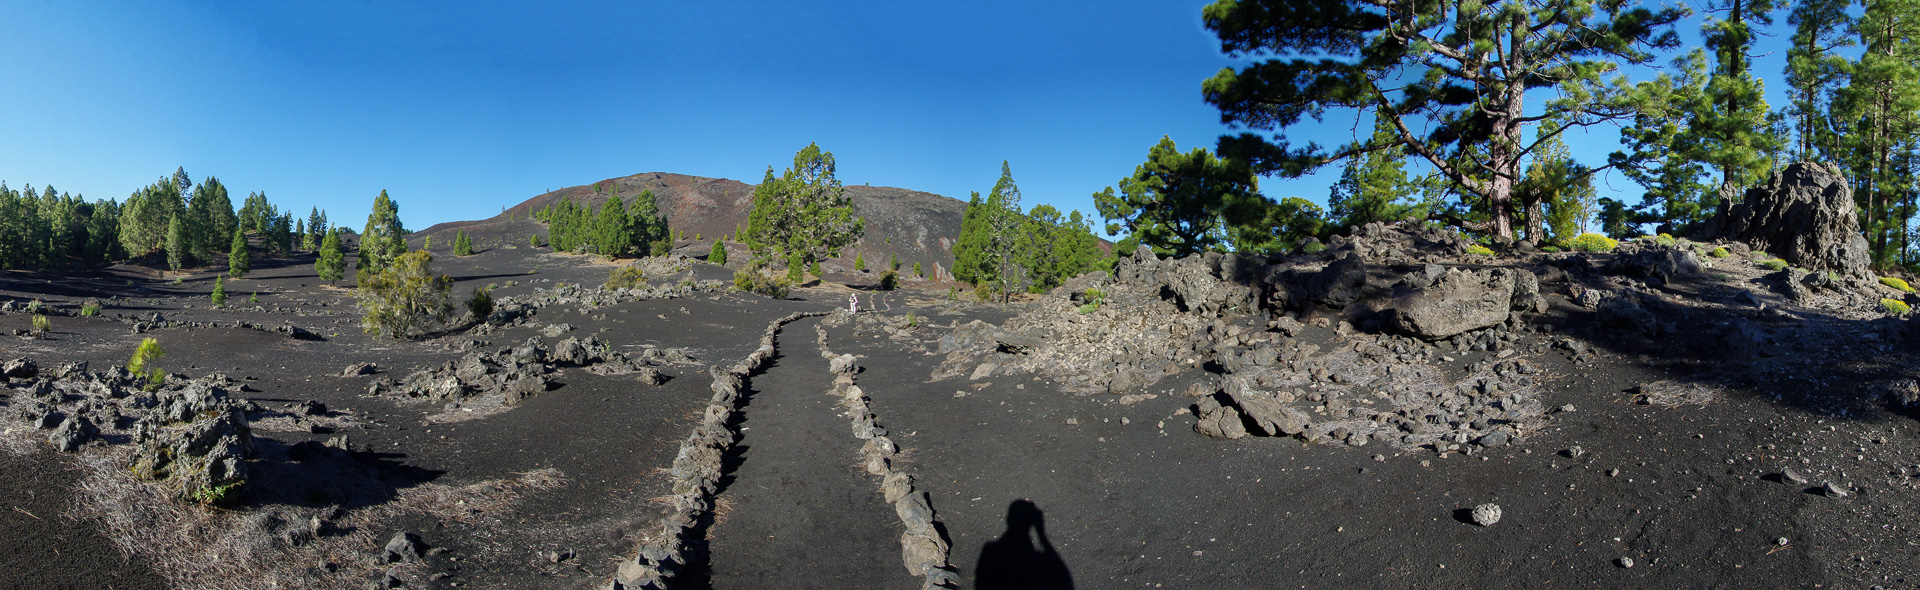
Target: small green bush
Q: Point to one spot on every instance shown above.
(1896, 283)
(796, 269)
(1549, 249)
(90, 309)
(480, 304)
(1720, 252)
(917, 272)
(1592, 242)
(1479, 250)
(1775, 264)
(754, 282)
(1761, 255)
(860, 262)
(254, 298)
(144, 356)
(981, 293)
(1894, 307)
(1665, 240)
(625, 277)
(718, 255)
(1314, 247)
(219, 291)
(913, 321)
(533, 241)
(41, 325)
(889, 281)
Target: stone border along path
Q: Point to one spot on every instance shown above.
(922, 549)
(696, 473)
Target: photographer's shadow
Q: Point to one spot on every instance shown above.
(1016, 562)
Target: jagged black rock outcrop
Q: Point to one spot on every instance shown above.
(1804, 214)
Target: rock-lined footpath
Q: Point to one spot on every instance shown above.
(696, 474)
(923, 550)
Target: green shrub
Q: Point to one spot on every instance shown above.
(917, 272)
(403, 296)
(1894, 307)
(90, 309)
(533, 241)
(1720, 252)
(34, 306)
(755, 282)
(1592, 242)
(1479, 250)
(1896, 283)
(1721, 276)
(1760, 255)
(889, 281)
(894, 262)
(1549, 249)
(1314, 247)
(718, 255)
(981, 293)
(254, 298)
(480, 304)
(860, 262)
(1665, 240)
(41, 325)
(219, 291)
(625, 277)
(913, 321)
(144, 356)
(796, 269)
(1775, 264)
(661, 247)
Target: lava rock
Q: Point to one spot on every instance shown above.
(1486, 514)
(1805, 214)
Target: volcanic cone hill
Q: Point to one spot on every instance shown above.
(918, 227)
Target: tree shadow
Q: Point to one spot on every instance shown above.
(1015, 562)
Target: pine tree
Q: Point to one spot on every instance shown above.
(1447, 77)
(805, 211)
(177, 256)
(210, 219)
(1815, 70)
(1374, 187)
(615, 229)
(1735, 134)
(239, 260)
(144, 217)
(462, 244)
(1005, 223)
(384, 237)
(719, 253)
(972, 242)
(219, 291)
(300, 235)
(332, 263)
(1177, 203)
(1878, 103)
(316, 228)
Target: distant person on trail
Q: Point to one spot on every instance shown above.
(853, 302)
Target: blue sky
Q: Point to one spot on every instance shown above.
(459, 109)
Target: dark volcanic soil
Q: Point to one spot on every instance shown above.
(550, 493)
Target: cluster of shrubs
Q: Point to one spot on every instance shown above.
(625, 277)
(1479, 250)
(776, 287)
(1895, 307)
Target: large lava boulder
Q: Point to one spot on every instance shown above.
(1462, 301)
(1805, 214)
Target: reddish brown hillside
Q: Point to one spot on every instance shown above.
(916, 226)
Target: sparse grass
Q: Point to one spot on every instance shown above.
(1896, 283)
(913, 321)
(1592, 242)
(1720, 252)
(41, 325)
(1479, 250)
(90, 309)
(1895, 307)
(34, 306)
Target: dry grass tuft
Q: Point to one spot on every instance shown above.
(1668, 394)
